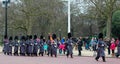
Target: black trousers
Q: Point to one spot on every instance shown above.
(103, 58)
(79, 52)
(108, 51)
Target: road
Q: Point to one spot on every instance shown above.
(5, 59)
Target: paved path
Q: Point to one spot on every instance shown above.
(4, 59)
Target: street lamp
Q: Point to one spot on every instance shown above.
(6, 2)
(69, 25)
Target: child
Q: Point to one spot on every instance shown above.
(45, 48)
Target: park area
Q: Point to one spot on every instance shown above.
(32, 27)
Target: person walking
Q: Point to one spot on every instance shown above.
(41, 44)
(108, 45)
(36, 45)
(94, 44)
(112, 46)
(6, 45)
(100, 48)
(79, 43)
(31, 46)
(16, 45)
(22, 46)
(69, 46)
(10, 45)
(118, 48)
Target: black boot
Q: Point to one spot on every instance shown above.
(97, 58)
(42, 53)
(71, 56)
(67, 55)
(103, 57)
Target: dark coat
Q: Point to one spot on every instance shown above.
(27, 46)
(16, 45)
(69, 46)
(118, 48)
(80, 43)
(10, 46)
(36, 46)
(101, 48)
(41, 45)
(54, 48)
(22, 47)
(6, 46)
(31, 46)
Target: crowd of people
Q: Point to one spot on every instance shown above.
(39, 46)
(35, 46)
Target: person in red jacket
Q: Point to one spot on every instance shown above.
(112, 46)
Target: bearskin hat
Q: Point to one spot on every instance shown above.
(23, 38)
(5, 37)
(10, 38)
(100, 35)
(35, 36)
(54, 36)
(41, 37)
(16, 38)
(30, 37)
(69, 35)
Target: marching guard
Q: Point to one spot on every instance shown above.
(10, 45)
(36, 42)
(6, 45)
(31, 46)
(16, 45)
(22, 46)
(69, 46)
(41, 52)
(100, 48)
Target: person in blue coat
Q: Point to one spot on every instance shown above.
(16, 45)
(22, 46)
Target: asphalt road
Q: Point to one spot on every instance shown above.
(5, 59)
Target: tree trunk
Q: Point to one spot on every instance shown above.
(108, 32)
(29, 27)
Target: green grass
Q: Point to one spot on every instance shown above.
(1, 43)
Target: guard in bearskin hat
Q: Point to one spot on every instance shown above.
(6, 45)
(54, 36)
(22, 46)
(31, 46)
(118, 47)
(69, 47)
(10, 45)
(16, 45)
(27, 44)
(41, 44)
(36, 44)
(100, 48)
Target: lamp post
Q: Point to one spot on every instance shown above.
(69, 25)
(6, 2)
